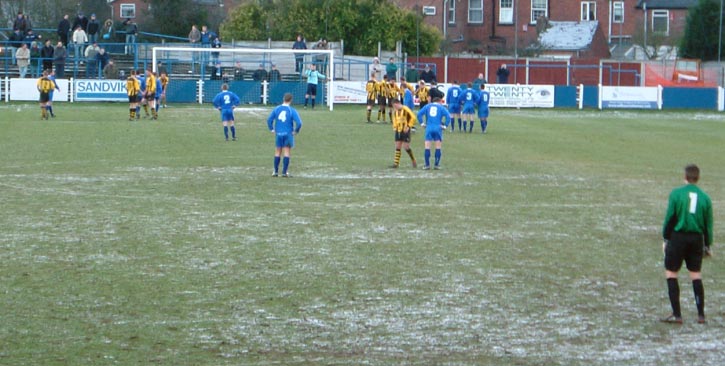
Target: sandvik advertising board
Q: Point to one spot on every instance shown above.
(100, 90)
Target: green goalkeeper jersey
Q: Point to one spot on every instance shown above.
(689, 210)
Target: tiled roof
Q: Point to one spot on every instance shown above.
(568, 35)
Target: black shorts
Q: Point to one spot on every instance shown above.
(382, 101)
(423, 103)
(133, 98)
(371, 101)
(687, 247)
(402, 136)
(391, 101)
(151, 96)
(312, 89)
(44, 97)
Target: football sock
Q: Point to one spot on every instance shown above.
(138, 111)
(313, 103)
(459, 124)
(673, 288)
(146, 109)
(234, 132)
(426, 155)
(50, 109)
(226, 132)
(438, 157)
(276, 164)
(471, 128)
(465, 126)
(379, 113)
(410, 153)
(43, 112)
(132, 112)
(153, 112)
(390, 114)
(699, 296)
(396, 161)
(483, 126)
(285, 164)
(306, 99)
(369, 112)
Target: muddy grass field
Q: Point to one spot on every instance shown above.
(538, 243)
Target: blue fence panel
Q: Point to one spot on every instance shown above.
(565, 96)
(181, 91)
(298, 90)
(591, 96)
(249, 92)
(697, 98)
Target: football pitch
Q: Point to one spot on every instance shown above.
(538, 243)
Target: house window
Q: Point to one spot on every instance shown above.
(475, 11)
(589, 10)
(539, 8)
(451, 12)
(506, 12)
(661, 21)
(128, 10)
(618, 12)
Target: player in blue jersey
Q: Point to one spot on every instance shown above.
(141, 76)
(453, 99)
(225, 101)
(483, 99)
(470, 99)
(313, 77)
(159, 92)
(284, 122)
(434, 112)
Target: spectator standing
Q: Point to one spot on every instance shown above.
(427, 75)
(478, 81)
(502, 75)
(391, 69)
(80, 21)
(91, 60)
(377, 68)
(64, 29)
(131, 32)
(46, 55)
(109, 71)
(321, 60)
(22, 57)
(79, 41)
(31, 37)
(216, 42)
(92, 29)
(274, 74)
(260, 74)
(206, 38)
(102, 58)
(238, 71)
(59, 56)
(299, 57)
(21, 23)
(194, 35)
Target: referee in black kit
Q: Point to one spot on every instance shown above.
(687, 233)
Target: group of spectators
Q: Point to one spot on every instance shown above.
(80, 37)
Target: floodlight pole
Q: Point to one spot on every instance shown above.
(719, 45)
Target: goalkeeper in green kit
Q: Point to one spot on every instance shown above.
(687, 232)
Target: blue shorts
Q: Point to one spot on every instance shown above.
(483, 113)
(433, 135)
(454, 108)
(285, 140)
(312, 89)
(469, 109)
(227, 115)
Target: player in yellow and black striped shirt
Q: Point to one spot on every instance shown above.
(133, 87)
(403, 122)
(382, 92)
(371, 95)
(164, 82)
(422, 93)
(45, 86)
